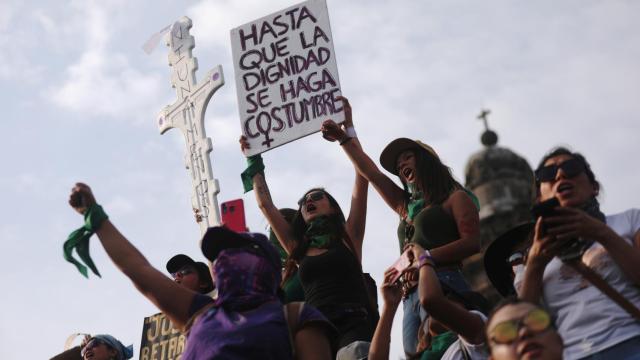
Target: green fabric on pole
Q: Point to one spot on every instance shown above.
(254, 166)
(79, 240)
(439, 344)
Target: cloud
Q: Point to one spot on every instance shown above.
(102, 81)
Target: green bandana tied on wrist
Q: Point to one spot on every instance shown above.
(254, 166)
(79, 239)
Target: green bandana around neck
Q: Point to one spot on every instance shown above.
(439, 344)
(320, 231)
(254, 166)
(416, 201)
(79, 240)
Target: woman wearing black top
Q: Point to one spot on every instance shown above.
(327, 248)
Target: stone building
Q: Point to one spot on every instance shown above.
(504, 184)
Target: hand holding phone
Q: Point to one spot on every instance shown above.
(400, 265)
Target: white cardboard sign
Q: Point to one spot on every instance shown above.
(286, 75)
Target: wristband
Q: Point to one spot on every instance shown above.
(351, 132)
(345, 140)
(425, 258)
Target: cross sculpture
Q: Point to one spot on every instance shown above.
(483, 116)
(187, 114)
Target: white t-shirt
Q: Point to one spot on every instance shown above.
(475, 352)
(588, 320)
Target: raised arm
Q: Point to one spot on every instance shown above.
(278, 223)
(171, 298)
(390, 192)
(451, 314)
(467, 221)
(358, 211)
(392, 294)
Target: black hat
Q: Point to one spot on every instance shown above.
(179, 261)
(496, 257)
(219, 238)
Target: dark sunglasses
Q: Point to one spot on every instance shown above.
(571, 168)
(506, 332)
(313, 196)
(95, 342)
(183, 272)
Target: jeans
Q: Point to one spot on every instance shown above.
(414, 314)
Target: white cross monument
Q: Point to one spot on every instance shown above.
(187, 114)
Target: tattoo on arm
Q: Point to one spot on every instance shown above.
(469, 225)
(261, 188)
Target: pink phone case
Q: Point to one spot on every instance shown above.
(401, 265)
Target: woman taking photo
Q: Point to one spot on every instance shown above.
(455, 326)
(434, 209)
(576, 235)
(326, 248)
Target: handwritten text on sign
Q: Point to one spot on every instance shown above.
(286, 75)
(160, 340)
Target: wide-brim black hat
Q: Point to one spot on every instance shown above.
(219, 238)
(496, 265)
(389, 156)
(179, 261)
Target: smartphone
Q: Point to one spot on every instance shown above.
(545, 208)
(401, 265)
(233, 215)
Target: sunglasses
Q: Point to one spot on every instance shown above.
(536, 320)
(95, 342)
(571, 168)
(183, 272)
(313, 196)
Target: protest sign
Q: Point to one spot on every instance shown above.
(286, 75)
(160, 340)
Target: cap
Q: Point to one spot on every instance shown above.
(219, 238)
(179, 261)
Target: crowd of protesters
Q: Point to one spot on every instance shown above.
(570, 276)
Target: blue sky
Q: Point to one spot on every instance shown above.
(80, 98)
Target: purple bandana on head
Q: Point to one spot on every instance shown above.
(244, 279)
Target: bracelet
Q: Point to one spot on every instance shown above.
(426, 258)
(351, 132)
(346, 140)
(426, 263)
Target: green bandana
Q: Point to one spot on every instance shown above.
(416, 202)
(79, 239)
(439, 344)
(254, 166)
(320, 231)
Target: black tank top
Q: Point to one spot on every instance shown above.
(333, 279)
(432, 227)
